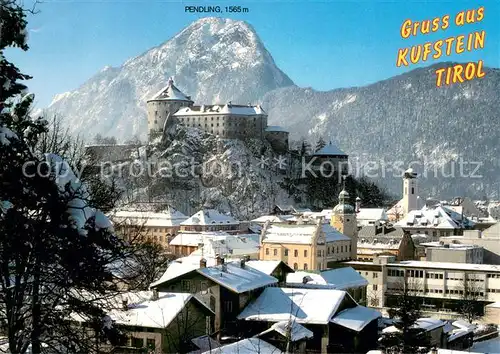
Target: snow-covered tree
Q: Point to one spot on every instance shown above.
(320, 144)
(55, 242)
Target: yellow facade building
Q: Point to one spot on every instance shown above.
(304, 246)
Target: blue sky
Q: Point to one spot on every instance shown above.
(319, 44)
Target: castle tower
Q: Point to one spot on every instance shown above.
(344, 220)
(163, 105)
(410, 191)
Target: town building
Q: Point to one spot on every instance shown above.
(452, 252)
(277, 269)
(304, 246)
(210, 243)
(338, 323)
(170, 107)
(160, 227)
(287, 336)
(369, 216)
(225, 288)
(157, 322)
(329, 161)
(489, 239)
(212, 220)
(440, 286)
(436, 222)
(383, 238)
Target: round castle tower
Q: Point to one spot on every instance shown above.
(344, 220)
(163, 105)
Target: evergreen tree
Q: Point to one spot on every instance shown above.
(405, 310)
(55, 243)
(320, 144)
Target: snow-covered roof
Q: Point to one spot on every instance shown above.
(266, 267)
(210, 217)
(314, 306)
(230, 275)
(332, 234)
(237, 279)
(356, 318)
(429, 324)
(233, 245)
(187, 239)
(170, 92)
(447, 266)
(330, 149)
(246, 346)
(217, 242)
(488, 346)
(434, 218)
(340, 279)
(227, 109)
(276, 128)
(174, 270)
(265, 218)
(301, 233)
(152, 313)
(169, 217)
(296, 330)
(371, 214)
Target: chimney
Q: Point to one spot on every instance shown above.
(156, 295)
(243, 260)
(124, 304)
(223, 265)
(218, 259)
(203, 263)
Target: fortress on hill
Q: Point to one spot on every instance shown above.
(170, 106)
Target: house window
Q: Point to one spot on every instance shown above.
(228, 306)
(204, 287)
(305, 266)
(186, 285)
(275, 252)
(295, 266)
(212, 303)
(267, 251)
(137, 342)
(296, 253)
(305, 253)
(286, 252)
(412, 190)
(150, 342)
(375, 287)
(375, 275)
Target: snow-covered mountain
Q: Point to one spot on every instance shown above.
(214, 60)
(392, 122)
(406, 119)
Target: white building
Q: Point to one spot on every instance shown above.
(439, 285)
(435, 222)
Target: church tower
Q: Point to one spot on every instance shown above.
(410, 191)
(344, 220)
(162, 106)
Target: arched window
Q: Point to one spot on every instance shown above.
(295, 266)
(296, 253)
(305, 266)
